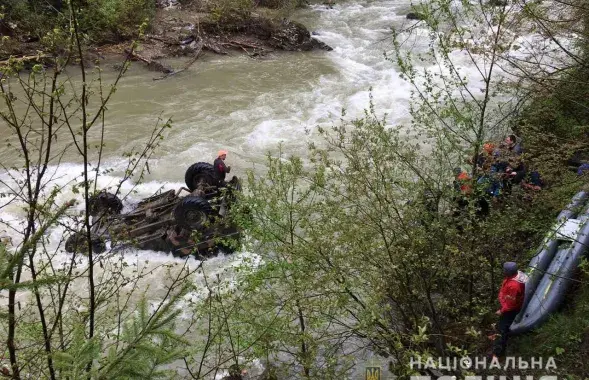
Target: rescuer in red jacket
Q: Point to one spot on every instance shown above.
(220, 168)
(511, 298)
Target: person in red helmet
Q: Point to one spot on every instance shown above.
(221, 169)
(511, 298)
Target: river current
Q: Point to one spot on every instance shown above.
(246, 106)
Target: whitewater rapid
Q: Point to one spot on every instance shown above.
(246, 106)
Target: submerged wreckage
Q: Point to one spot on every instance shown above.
(196, 223)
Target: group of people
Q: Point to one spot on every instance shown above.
(499, 168)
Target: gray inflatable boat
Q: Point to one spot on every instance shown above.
(556, 262)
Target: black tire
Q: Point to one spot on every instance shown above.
(201, 172)
(76, 243)
(104, 202)
(193, 212)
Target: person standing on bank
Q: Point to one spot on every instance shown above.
(220, 168)
(511, 298)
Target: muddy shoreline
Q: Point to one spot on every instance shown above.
(188, 32)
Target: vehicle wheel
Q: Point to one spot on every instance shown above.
(192, 212)
(201, 172)
(76, 243)
(104, 202)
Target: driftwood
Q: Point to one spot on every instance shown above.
(214, 47)
(258, 50)
(197, 52)
(168, 42)
(25, 59)
(150, 63)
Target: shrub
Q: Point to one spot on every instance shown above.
(223, 11)
(28, 18)
(115, 20)
(102, 20)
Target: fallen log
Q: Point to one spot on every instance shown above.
(214, 47)
(257, 49)
(151, 64)
(242, 44)
(25, 59)
(166, 41)
(198, 50)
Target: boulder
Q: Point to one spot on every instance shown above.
(277, 4)
(415, 16)
(320, 45)
(498, 3)
(293, 36)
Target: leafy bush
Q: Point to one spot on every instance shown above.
(229, 10)
(564, 111)
(30, 18)
(102, 20)
(115, 20)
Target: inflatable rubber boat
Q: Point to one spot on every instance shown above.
(550, 270)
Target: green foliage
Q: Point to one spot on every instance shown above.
(147, 344)
(31, 17)
(563, 110)
(229, 11)
(346, 236)
(6, 270)
(359, 243)
(102, 21)
(115, 20)
(362, 237)
(73, 362)
(75, 318)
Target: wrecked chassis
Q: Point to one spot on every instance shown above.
(197, 223)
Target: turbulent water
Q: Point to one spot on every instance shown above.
(250, 106)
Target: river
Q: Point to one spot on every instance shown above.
(249, 106)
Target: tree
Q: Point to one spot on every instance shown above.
(62, 330)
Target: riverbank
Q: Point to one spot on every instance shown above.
(187, 33)
(183, 30)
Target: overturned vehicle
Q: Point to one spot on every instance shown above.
(197, 223)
